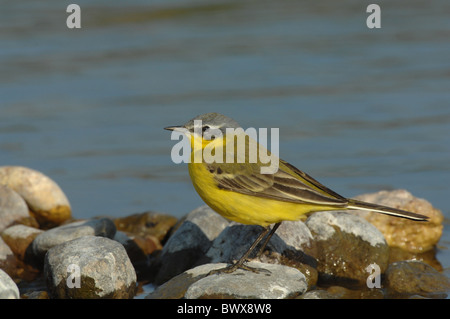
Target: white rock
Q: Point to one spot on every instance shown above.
(12, 207)
(8, 288)
(272, 282)
(43, 196)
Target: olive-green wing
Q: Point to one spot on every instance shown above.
(287, 184)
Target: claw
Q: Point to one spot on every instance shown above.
(233, 267)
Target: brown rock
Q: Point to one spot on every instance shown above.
(19, 237)
(406, 234)
(346, 246)
(35, 295)
(416, 278)
(146, 224)
(8, 262)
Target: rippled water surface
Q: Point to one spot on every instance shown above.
(361, 110)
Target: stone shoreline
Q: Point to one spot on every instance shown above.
(45, 253)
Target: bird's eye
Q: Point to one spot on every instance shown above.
(208, 133)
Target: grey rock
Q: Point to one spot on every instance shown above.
(292, 245)
(272, 282)
(233, 242)
(346, 246)
(189, 243)
(100, 265)
(236, 239)
(291, 235)
(103, 227)
(8, 288)
(12, 207)
(203, 218)
(323, 224)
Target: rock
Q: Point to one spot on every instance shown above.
(190, 242)
(8, 262)
(138, 249)
(233, 242)
(43, 196)
(280, 282)
(19, 238)
(416, 278)
(346, 245)
(318, 294)
(104, 269)
(146, 224)
(13, 208)
(365, 293)
(8, 288)
(275, 281)
(406, 234)
(176, 287)
(35, 295)
(292, 235)
(338, 292)
(292, 245)
(103, 227)
(429, 257)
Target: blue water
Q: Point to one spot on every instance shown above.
(361, 110)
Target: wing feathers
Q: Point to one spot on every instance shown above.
(281, 186)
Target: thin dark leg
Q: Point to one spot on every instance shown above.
(274, 229)
(240, 262)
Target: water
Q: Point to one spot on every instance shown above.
(361, 110)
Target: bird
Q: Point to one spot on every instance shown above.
(234, 186)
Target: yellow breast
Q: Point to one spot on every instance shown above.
(245, 209)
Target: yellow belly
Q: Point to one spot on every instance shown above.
(246, 209)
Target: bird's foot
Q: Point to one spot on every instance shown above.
(233, 267)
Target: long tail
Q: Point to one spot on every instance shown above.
(356, 204)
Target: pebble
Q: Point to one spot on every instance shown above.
(8, 262)
(413, 277)
(275, 281)
(95, 227)
(412, 236)
(346, 246)
(189, 243)
(19, 238)
(89, 267)
(8, 288)
(13, 208)
(45, 199)
(146, 224)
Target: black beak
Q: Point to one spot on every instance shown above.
(172, 128)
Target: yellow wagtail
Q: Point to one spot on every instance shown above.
(240, 192)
